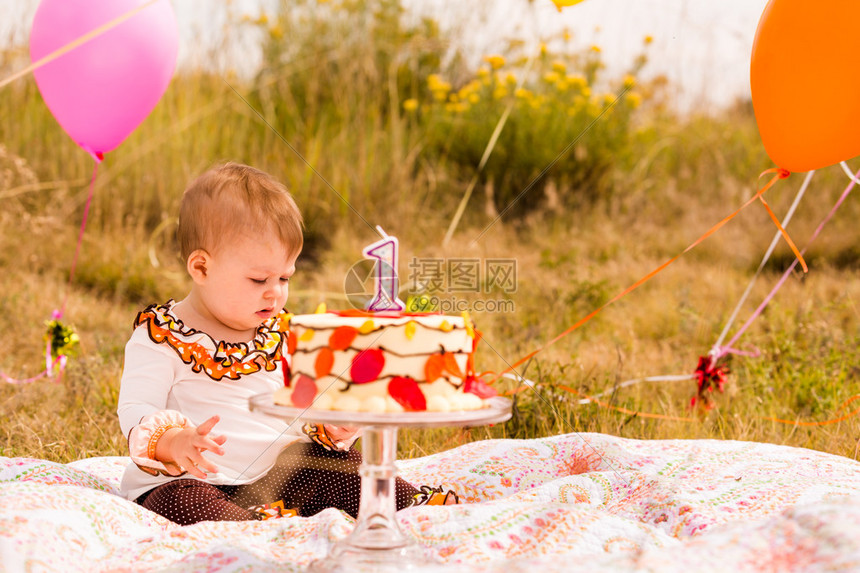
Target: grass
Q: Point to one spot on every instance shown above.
(673, 178)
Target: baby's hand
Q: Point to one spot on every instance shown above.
(342, 436)
(184, 447)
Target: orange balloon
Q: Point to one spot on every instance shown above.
(805, 82)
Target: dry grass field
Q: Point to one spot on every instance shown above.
(639, 186)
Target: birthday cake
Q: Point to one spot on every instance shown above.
(378, 362)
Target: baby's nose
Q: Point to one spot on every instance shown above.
(274, 291)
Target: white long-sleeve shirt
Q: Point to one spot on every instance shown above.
(156, 378)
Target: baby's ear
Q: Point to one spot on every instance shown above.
(198, 265)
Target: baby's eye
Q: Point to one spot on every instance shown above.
(259, 281)
(285, 279)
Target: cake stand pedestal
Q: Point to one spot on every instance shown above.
(377, 543)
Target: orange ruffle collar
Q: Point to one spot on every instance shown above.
(230, 360)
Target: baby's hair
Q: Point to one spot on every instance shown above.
(232, 199)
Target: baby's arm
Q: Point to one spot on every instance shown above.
(160, 440)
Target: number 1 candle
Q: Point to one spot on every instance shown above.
(384, 252)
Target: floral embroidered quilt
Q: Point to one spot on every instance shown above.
(574, 502)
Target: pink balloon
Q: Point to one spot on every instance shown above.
(102, 90)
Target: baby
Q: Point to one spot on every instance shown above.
(190, 367)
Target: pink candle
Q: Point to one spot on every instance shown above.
(384, 251)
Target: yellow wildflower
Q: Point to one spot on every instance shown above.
(559, 66)
(595, 48)
(550, 77)
(511, 79)
(410, 104)
(566, 35)
(468, 89)
(474, 98)
(629, 81)
(263, 19)
(648, 39)
(542, 49)
(634, 99)
(276, 32)
(522, 93)
(496, 61)
(577, 81)
(500, 92)
(483, 72)
(437, 84)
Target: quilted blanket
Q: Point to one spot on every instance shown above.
(575, 502)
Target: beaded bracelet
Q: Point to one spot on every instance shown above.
(156, 435)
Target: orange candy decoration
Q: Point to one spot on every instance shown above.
(438, 364)
(324, 362)
(292, 341)
(342, 337)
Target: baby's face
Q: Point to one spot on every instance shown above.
(248, 282)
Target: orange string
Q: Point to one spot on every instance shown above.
(779, 173)
(848, 401)
(683, 419)
(784, 234)
(825, 422)
(625, 410)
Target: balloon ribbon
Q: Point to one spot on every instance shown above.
(778, 173)
(61, 341)
(709, 374)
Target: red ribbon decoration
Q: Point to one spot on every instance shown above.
(709, 375)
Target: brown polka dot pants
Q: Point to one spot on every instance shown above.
(307, 478)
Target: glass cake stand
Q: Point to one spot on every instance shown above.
(377, 543)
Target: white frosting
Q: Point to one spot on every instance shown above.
(388, 333)
(409, 366)
(407, 343)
